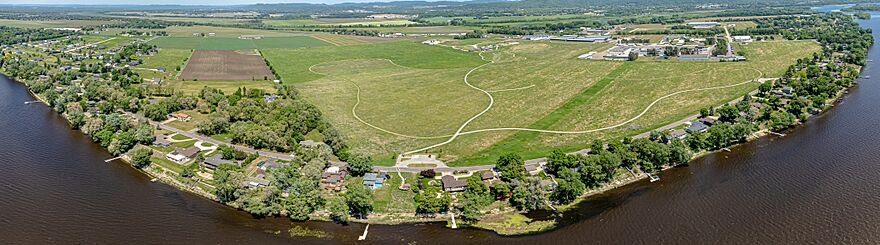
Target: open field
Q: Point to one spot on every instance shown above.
(170, 59)
(414, 100)
(340, 40)
(235, 43)
(336, 22)
(226, 65)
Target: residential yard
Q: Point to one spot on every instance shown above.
(390, 199)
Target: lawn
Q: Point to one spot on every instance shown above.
(390, 199)
(235, 43)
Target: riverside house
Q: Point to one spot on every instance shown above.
(181, 155)
(450, 184)
(215, 161)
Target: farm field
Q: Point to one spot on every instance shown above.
(225, 65)
(235, 43)
(419, 98)
(335, 22)
(53, 23)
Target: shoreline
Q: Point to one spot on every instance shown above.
(159, 173)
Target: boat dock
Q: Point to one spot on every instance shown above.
(111, 159)
(777, 134)
(654, 177)
(31, 102)
(364, 236)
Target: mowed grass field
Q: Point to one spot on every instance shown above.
(628, 91)
(235, 43)
(420, 97)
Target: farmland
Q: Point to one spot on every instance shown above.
(225, 65)
(234, 43)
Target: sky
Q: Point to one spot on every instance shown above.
(181, 2)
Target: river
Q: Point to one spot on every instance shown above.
(818, 184)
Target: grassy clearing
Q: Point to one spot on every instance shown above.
(167, 58)
(512, 223)
(339, 40)
(235, 43)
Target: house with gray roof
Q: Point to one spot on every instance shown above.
(215, 161)
(697, 126)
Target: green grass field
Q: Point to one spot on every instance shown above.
(422, 93)
(335, 22)
(235, 43)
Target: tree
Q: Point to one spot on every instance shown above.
(360, 164)
(529, 194)
(511, 167)
(501, 191)
(570, 187)
(679, 152)
(358, 198)
(559, 160)
(432, 200)
(474, 198)
(227, 180)
(651, 154)
(141, 158)
(338, 210)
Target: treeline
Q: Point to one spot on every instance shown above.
(14, 35)
(277, 125)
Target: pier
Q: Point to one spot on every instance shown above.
(364, 236)
(777, 134)
(31, 102)
(111, 159)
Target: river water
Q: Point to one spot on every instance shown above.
(818, 185)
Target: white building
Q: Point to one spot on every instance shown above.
(744, 39)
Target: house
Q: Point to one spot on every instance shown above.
(702, 24)
(534, 166)
(619, 53)
(432, 42)
(161, 69)
(744, 39)
(694, 57)
(533, 169)
(332, 178)
(731, 58)
(451, 184)
(311, 143)
(268, 163)
(677, 134)
(182, 117)
(211, 34)
(487, 175)
(537, 37)
(180, 155)
(161, 141)
(214, 161)
(252, 37)
(157, 80)
(257, 182)
(374, 180)
(708, 121)
(697, 126)
(134, 63)
(788, 91)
